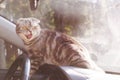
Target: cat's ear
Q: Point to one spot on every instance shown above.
(17, 24)
(35, 20)
(20, 20)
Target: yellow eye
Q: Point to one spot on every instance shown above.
(24, 28)
(34, 28)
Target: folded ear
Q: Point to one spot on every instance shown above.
(27, 21)
(19, 20)
(35, 20)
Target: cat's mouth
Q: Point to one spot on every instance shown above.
(28, 36)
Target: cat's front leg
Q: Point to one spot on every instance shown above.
(35, 63)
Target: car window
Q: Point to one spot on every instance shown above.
(95, 23)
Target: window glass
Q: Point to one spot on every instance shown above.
(95, 23)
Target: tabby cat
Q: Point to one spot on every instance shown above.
(51, 47)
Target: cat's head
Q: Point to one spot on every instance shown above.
(28, 28)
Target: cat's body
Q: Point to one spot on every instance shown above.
(45, 46)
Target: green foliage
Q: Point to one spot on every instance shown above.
(12, 59)
(47, 12)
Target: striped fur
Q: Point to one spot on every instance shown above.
(45, 46)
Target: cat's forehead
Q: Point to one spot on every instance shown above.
(23, 22)
(27, 22)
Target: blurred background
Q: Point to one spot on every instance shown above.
(95, 23)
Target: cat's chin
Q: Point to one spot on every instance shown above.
(29, 39)
(26, 38)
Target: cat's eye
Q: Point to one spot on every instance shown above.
(34, 28)
(23, 28)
